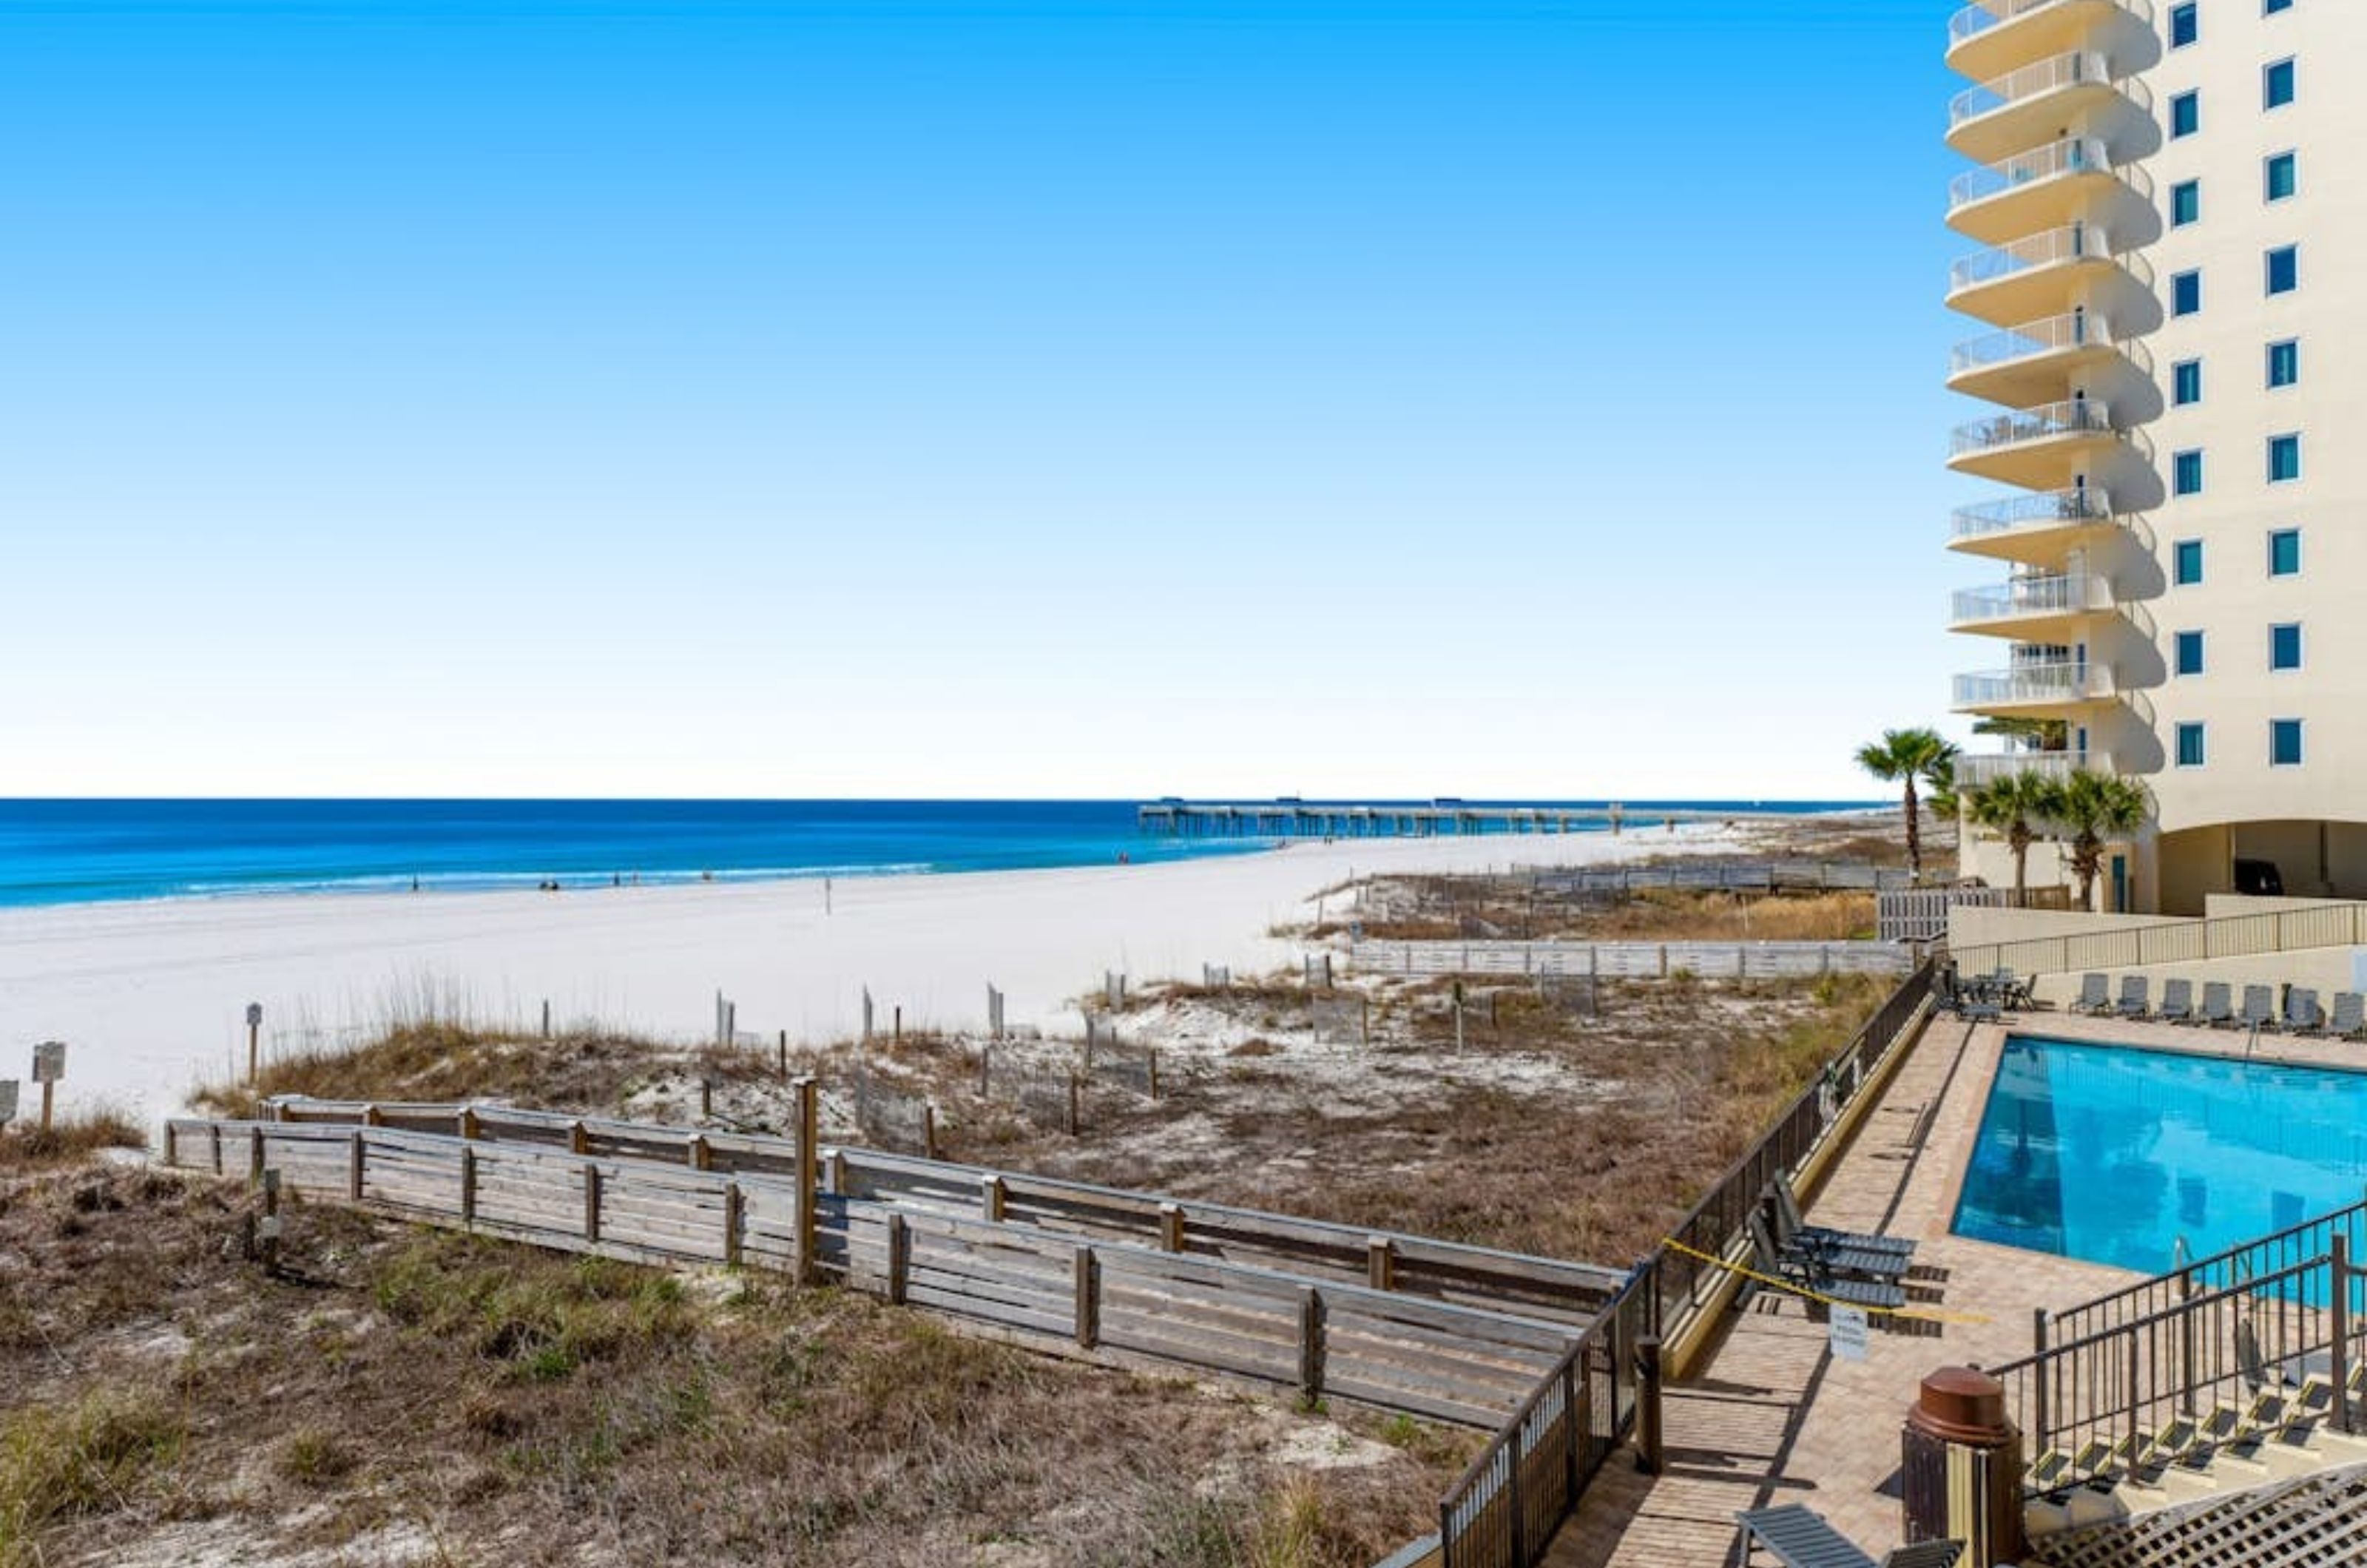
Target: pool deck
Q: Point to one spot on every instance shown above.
(1774, 1417)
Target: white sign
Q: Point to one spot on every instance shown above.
(49, 1061)
(1848, 1334)
(254, 1015)
(7, 1100)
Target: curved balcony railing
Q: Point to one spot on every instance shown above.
(2081, 329)
(2062, 594)
(2071, 156)
(1982, 15)
(2089, 503)
(1972, 772)
(2081, 68)
(2080, 241)
(2082, 416)
(2067, 682)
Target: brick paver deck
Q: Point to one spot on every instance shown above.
(1774, 1417)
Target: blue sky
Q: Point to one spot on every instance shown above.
(774, 399)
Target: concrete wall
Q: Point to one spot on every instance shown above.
(2326, 969)
(1974, 928)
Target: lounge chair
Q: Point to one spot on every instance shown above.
(2218, 1011)
(1836, 1252)
(1798, 1537)
(2177, 1002)
(2136, 996)
(2349, 1020)
(2302, 1015)
(1797, 1268)
(2095, 994)
(2260, 1009)
(1792, 1223)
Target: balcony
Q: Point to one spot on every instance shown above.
(2036, 448)
(2045, 187)
(2035, 362)
(2041, 276)
(2040, 608)
(2005, 115)
(2040, 528)
(2036, 689)
(1989, 38)
(1972, 772)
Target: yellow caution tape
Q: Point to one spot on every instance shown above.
(1919, 1315)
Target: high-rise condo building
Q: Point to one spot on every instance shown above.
(2165, 230)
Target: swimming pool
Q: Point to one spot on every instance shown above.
(2113, 1154)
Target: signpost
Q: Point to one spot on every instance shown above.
(1848, 1334)
(253, 1034)
(49, 1066)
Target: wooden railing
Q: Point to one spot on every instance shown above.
(1452, 1272)
(1385, 1348)
(1634, 960)
(1513, 1498)
(2098, 1400)
(2181, 941)
(1685, 1279)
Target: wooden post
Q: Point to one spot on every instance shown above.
(354, 1177)
(1381, 1263)
(467, 1188)
(993, 1200)
(1310, 1345)
(217, 1141)
(836, 1161)
(1089, 1298)
(1648, 1442)
(545, 1018)
(579, 1138)
(735, 1220)
(271, 1223)
(468, 1120)
(808, 1177)
(784, 1052)
(1073, 1105)
(698, 1153)
(899, 1259)
(49, 1102)
(172, 1143)
(1154, 1075)
(372, 1116)
(254, 1154)
(254, 1046)
(929, 1128)
(1171, 1227)
(898, 1037)
(705, 1098)
(591, 1202)
(985, 1071)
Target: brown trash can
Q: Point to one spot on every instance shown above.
(1961, 1467)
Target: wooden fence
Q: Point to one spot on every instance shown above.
(1383, 1347)
(1634, 960)
(2179, 942)
(1452, 1272)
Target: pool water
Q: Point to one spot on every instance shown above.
(2113, 1154)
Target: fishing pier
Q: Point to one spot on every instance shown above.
(1288, 819)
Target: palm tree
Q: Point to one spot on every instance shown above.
(1907, 756)
(2012, 804)
(1939, 791)
(2096, 809)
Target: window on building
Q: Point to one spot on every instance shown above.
(2185, 203)
(2284, 363)
(2277, 85)
(2284, 743)
(2284, 647)
(2184, 25)
(2185, 115)
(2190, 745)
(2285, 553)
(2186, 473)
(2185, 293)
(2284, 269)
(2281, 176)
(2186, 649)
(2186, 382)
(2186, 562)
(2284, 458)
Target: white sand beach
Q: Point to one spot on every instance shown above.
(151, 996)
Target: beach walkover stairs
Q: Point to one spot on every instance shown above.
(2211, 1416)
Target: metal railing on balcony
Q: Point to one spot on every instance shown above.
(2081, 329)
(1972, 772)
(2067, 682)
(2078, 242)
(2062, 594)
(2072, 155)
(2081, 68)
(2089, 503)
(1982, 15)
(2080, 416)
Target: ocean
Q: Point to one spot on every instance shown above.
(64, 851)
